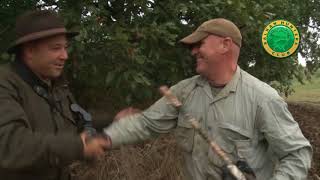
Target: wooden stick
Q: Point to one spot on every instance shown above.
(165, 91)
(214, 146)
(234, 170)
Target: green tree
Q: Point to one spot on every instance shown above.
(126, 49)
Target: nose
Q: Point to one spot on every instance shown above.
(194, 50)
(64, 54)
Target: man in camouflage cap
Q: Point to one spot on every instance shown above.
(39, 133)
(245, 116)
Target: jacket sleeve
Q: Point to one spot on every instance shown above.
(286, 140)
(159, 118)
(22, 148)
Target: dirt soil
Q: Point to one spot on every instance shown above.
(308, 117)
(161, 160)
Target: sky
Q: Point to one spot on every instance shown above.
(301, 60)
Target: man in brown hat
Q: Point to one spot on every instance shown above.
(40, 123)
(245, 116)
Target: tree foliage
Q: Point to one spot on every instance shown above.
(127, 48)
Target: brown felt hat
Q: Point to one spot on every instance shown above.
(38, 24)
(219, 27)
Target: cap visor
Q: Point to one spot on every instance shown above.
(194, 37)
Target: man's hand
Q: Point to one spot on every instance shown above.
(94, 147)
(126, 112)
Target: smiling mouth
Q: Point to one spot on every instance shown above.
(200, 60)
(59, 66)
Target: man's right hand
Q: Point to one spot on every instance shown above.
(94, 147)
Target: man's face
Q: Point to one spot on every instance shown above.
(46, 57)
(207, 54)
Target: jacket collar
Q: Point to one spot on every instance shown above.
(230, 87)
(27, 75)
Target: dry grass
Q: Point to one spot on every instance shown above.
(308, 92)
(155, 160)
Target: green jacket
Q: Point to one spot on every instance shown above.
(38, 133)
(247, 118)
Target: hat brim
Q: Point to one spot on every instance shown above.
(194, 37)
(39, 35)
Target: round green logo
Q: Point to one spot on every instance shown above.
(280, 38)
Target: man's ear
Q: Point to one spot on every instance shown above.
(226, 44)
(28, 50)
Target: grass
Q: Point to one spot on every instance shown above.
(308, 92)
(159, 159)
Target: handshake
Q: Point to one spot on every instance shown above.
(94, 144)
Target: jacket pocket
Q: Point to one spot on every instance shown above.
(246, 146)
(185, 135)
(227, 147)
(240, 138)
(255, 156)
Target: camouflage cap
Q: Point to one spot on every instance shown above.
(219, 27)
